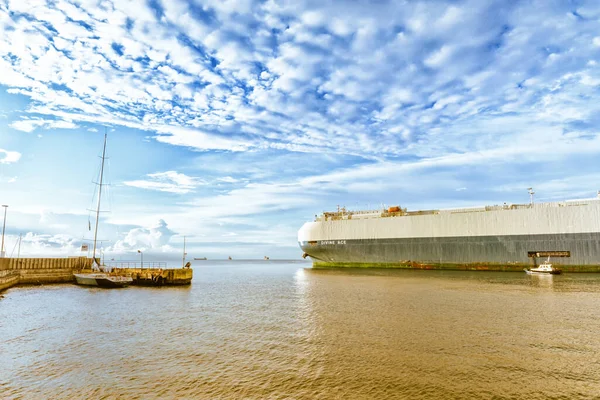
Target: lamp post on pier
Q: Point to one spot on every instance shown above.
(142, 259)
(531, 193)
(2, 252)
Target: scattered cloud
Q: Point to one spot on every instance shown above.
(304, 77)
(287, 108)
(169, 181)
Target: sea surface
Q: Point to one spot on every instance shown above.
(280, 330)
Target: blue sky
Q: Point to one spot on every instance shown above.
(234, 122)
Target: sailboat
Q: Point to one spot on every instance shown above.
(98, 276)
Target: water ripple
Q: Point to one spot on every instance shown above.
(279, 331)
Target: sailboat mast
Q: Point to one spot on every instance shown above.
(183, 261)
(99, 195)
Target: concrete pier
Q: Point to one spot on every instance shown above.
(154, 276)
(16, 271)
(8, 279)
(22, 271)
(157, 276)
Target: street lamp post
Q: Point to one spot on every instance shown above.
(142, 258)
(531, 193)
(2, 253)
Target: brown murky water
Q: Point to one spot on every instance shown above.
(270, 330)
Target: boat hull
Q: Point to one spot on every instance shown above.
(555, 272)
(494, 253)
(114, 282)
(102, 280)
(87, 279)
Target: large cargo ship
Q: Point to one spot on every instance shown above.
(508, 237)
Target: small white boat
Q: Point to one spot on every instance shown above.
(544, 268)
(103, 280)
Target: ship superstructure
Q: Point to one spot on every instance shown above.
(499, 237)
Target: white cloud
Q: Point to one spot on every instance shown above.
(30, 125)
(9, 157)
(41, 245)
(153, 238)
(439, 57)
(228, 179)
(197, 139)
(168, 181)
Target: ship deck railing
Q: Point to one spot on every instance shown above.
(347, 214)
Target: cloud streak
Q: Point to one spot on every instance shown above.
(30, 125)
(169, 181)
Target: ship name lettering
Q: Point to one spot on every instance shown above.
(329, 242)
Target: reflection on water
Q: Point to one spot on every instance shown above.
(542, 281)
(280, 330)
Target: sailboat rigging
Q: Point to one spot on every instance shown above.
(95, 264)
(184, 254)
(99, 277)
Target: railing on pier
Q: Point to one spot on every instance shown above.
(136, 264)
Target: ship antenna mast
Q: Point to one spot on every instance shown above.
(99, 195)
(531, 193)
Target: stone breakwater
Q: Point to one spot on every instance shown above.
(14, 271)
(23, 271)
